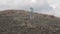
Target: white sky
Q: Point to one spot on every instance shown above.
(21, 2)
(24, 4)
(16, 3)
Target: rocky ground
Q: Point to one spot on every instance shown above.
(18, 22)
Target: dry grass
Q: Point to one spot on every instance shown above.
(18, 22)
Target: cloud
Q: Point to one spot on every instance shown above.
(54, 3)
(36, 4)
(16, 3)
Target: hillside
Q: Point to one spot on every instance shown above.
(18, 22)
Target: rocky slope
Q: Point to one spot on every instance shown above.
(18, 22)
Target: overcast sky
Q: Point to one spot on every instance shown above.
(36, 4)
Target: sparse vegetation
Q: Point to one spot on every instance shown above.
(17, 22)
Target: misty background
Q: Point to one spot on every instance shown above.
(41, 6)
